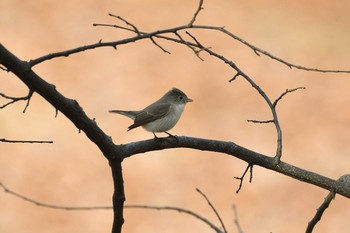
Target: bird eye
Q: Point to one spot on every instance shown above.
(181, 97)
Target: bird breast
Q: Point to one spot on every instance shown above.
(166, 122)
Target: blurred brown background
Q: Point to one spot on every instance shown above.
(315, 121)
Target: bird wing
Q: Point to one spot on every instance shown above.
(151, 113)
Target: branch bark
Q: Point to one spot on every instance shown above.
(72, 110)
(239, 152)
(116, 153)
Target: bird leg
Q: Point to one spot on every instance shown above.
(170, 134)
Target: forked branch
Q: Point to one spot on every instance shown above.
(16, 99)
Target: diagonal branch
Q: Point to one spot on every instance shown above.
(200, 7)
(285, 93)
(259, 51)
(74, 112)
(320, 212)
(325, 204)
(213, 208)
(69, 107)
(134, 28)
(236, 221)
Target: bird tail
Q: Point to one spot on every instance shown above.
(130, 114)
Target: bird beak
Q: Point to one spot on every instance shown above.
(189, 100)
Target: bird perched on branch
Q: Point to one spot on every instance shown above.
(162, 115)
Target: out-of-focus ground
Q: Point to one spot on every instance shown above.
(72, 171)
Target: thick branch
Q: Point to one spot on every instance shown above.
(240, 152)
(72, 110)
(69, 107)
(118, 196)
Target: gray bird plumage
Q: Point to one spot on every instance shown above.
(160, 116)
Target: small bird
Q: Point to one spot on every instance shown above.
(160, 116)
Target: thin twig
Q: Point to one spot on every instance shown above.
(234, 77)
(235, 220)
(320, 212)
(159, 46)
(196, 52)
(180, 210)
(135, 29)
(273, 57)
(274, 107)
(213, 208)
(275, 104)
(190, 24)
(285, 93)
(261, 121)
(195, 39)
(71, 208)
(16, 99)
(199, 45)
(23, 141)
(113, 26)
(250, 167)
(41, 204)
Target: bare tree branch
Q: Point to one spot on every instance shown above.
(195, 51)
(260, 91)
(41, 204)
(259, 51)
(200, 7)
(16, 99)
(275, 104)
(285, 93)
(127, 23)
(331, 196)
(159, 46)
(213, 208)
(23, 141)
(235, 220)
(320, 212)
(88, 208)
(261, 121)
(73, 111)
(142, 35)
(237, 151)
(177, 209)
(250, 167)
(116, 153)
(158, 34)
